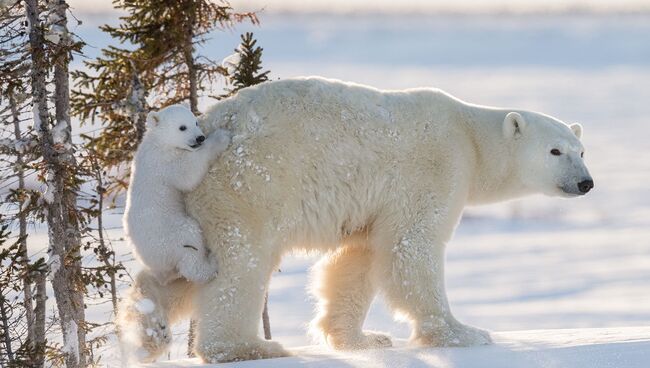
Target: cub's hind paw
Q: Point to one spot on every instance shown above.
(196, 266)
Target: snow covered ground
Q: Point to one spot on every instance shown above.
(593, 348)
(537, 263)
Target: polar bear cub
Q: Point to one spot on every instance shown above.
(172, 159)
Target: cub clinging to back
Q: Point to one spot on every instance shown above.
(172, 159)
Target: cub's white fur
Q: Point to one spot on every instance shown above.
(376, 181)
(172, 158)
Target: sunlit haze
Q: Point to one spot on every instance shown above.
(411, 6)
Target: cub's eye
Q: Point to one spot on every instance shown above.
(182, 128)
(582, 154)
(555, 152)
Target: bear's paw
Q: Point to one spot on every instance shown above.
(219, 352)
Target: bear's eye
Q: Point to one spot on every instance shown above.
(182, 128)
(555, 152)
(582, 154)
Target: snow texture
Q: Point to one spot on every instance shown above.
(577, 348)
(59, 132)
(145, 306)
(71, 345)
(50, 189)
(36, 116)
(55, 264)
(231, 63)
(55, 34)
(21, 146)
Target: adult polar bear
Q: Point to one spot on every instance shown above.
(377, 180)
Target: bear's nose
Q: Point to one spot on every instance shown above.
(200, 139)
(585, 185)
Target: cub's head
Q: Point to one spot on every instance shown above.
(549, 154)
(175, 126)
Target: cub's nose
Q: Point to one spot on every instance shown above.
(585, 185)
(200, 139)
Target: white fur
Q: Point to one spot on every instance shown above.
(377, 181)
(167, 164)
(145, 333)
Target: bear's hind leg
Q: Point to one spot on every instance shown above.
(230, 306)
(344, 289)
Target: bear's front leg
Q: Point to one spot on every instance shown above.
(230, 306)
(416, 288)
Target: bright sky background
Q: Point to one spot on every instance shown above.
(99, 6)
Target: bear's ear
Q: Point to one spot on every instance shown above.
(513, 124)
(153, 119)
(576, 129)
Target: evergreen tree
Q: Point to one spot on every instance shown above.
(162, 64)
(16, 348)
(19, 160)
(244, 65)
(50, 49)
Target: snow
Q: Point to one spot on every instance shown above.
(55, 33)
(231, 63)
(36, 116)
(25, 204)
(145, 306)
(72, 342)
(59, 132)
(18, 145)
(48, 193)
(575, 348)
(54, 262)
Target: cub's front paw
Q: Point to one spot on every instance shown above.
(220, 139)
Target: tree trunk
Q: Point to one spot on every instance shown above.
(35, 337)
(63, 231)
(191, 339)
(265, 318)
(22, 227)
(188, 55)
(137, 105)
(6, 334)
(40, 298)
(109, 262)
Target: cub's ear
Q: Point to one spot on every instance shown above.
(153, 119)
(576, 129)
(513, 125)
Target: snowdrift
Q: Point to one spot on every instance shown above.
(627, 347)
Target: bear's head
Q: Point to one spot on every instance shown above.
(176, 127)
(549, 154)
